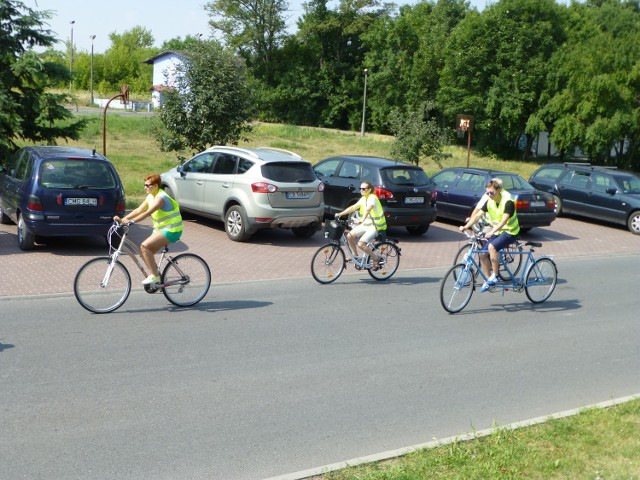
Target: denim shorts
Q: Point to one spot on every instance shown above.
(502, 240)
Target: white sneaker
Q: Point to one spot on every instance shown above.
(491, 281)
(151, 279)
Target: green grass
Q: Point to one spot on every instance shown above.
(597, 444)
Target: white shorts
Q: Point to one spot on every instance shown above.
(365, 233)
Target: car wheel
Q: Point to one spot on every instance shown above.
(634, 222)
(26, 239)
(4, 219)
(235, 224)
(418, 230)
(525, 230)
(558, 205)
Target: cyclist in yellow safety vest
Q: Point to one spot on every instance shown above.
(371, 221)
(504, 230)
(167, 223)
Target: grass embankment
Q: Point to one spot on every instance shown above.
(597, 444)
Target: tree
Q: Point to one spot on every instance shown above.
(254, 28)
(496, 66)
(27, 110)
(593, 99)
(123, 61)
(211, 104)
(405, 55)
(417, 133)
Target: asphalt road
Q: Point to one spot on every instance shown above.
(269, 377)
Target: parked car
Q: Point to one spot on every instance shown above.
(597, 192)
(249, 189)
(460, 189)
(53, 191)
(405, 191)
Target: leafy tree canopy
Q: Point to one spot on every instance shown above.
(27, 111)
(211, 104)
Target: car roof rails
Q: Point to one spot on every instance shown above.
(583, 164)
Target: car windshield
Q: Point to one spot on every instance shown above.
(76, 174)
(289, 172)
(401, 176)
(628, 184)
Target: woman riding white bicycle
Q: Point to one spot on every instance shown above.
(167, 223)
(371, 221)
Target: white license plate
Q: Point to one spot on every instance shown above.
(537, 204)
(298, 195)
(91, 202)
(414, 200)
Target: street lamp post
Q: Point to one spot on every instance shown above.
(92, 37)
(364, 103)
(71, 60)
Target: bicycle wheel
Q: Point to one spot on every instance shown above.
(192, 276)
(541, 280)
(459, 258)
(389, 262)
(328, 263)
(101, 286)
(512, 259)
(456, 288)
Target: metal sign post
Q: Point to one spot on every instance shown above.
(124, 98)
(464, 123)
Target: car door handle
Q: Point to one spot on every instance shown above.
(225, 185)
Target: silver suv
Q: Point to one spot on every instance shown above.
(249, 189)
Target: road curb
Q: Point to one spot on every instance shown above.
(377, 457)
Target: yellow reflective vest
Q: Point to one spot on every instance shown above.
(168, 220)
(376, 214)
(496, 211)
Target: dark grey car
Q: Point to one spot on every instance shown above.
(597, 192)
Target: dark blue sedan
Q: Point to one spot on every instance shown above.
(460, 189)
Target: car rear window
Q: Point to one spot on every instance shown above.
(408, 177)
(289, 172)
(76, 174)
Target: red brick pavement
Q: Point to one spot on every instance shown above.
(274, 254)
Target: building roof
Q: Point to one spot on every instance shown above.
(182, 54)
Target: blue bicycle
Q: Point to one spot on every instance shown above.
(538, 276)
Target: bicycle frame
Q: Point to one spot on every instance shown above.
(360, 263)
(133, 251)
(516, 283)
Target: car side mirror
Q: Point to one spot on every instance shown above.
(181, 171)
(612, 190)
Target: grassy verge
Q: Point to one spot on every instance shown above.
(597, 444)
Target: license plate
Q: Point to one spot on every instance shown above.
(537, 204)
(414, 200)
(298, 195)
(91, 202)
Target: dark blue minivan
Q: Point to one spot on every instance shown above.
(51, 191)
